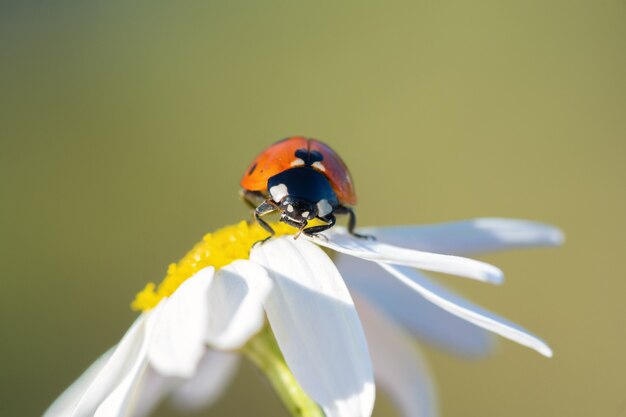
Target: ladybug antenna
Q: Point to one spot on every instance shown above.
(297, 235)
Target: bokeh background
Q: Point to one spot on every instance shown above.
(125, 127)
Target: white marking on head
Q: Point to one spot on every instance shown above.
(278, 192)
(319, 166)
(305, 214)
(289, 208)
(324, 208)
(297, 162)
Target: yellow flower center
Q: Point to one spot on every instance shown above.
(216, 249)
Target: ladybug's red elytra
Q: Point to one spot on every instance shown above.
(303, 179)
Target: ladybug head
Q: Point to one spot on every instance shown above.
(298, 210)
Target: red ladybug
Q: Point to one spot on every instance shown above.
(303, 179)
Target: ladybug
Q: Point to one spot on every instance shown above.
(303, 179)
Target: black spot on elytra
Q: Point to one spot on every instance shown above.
(315, 156)
(302, 154)
(309, 157)
(252, 168)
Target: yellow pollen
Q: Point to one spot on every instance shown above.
(216, 249)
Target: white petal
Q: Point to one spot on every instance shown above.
(421, 317)
(374, 250)
(120, 402)
(152, 390)
(178, 341)
(317, 327)
(399, 367)
(470, 236)
(236, 299)
(64, 405)
(123, 399)
(121, 362)
(215, 373)
(466, 310)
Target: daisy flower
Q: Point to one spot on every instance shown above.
(212, 307)
(395, 312)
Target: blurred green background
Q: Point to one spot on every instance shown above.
(125, 127)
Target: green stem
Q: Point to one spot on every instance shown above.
(263, 351)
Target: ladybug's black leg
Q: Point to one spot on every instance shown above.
(251, 198)
(293, 223)
(268, 206)
(352, 222)
(298, 225)
(312, 231)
